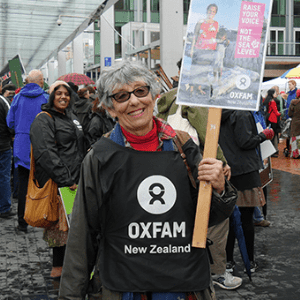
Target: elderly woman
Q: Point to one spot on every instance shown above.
(57, 142)
(132, 220)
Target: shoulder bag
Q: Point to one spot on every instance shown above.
(41, 209)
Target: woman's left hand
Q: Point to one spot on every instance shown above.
(73, 187)
(211, 170)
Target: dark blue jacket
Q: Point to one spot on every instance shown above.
(25, 106)
(291, 96)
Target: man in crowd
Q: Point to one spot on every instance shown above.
(5, 160)
(26, 105)
(8, 91)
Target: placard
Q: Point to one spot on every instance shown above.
(67, 197)
(224, 55)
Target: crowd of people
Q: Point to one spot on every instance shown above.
(137, 177)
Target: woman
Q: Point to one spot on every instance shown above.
(273, 116)
(100, 123)
(134, 202)
(294, 113)
(83, 107)
(57, 143)
(291, 95)
(205, 34)
(240, 142)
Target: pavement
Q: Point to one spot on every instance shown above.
(26, 260)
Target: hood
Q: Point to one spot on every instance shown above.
(226, 113)
(166, 100)
(80, 102)
(295, 101)
(32, 90)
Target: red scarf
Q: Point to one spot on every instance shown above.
(148, 142)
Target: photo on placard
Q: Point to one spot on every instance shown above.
(224, 54)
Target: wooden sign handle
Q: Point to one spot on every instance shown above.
(205, 190)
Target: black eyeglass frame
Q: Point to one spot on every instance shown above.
(129, 93)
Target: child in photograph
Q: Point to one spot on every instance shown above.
(222, 44)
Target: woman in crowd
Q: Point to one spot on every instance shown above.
(57, 143)
(273, 116)
(100, 123)
(240, 142)
(291, 95)
(133, 216)
(83, 109)
(294, 113)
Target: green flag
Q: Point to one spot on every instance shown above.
(16, 72)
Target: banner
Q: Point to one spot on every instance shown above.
(5, 73)
(16, 72)
(224, 55)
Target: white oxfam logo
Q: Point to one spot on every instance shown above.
(76, 122)
(156, 194)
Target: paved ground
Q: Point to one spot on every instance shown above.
(25, 260)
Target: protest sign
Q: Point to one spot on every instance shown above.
(224, 55)
(222, 67)
(15, 68)
(67, 197)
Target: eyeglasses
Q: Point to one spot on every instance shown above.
(139, 92)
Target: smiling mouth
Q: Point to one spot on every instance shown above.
(136, 112)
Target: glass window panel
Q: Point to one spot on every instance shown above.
(272, 49)
(297, 44)
(296, 7)
(155, 5)
(273, 36)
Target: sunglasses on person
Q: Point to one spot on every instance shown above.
(139, 92)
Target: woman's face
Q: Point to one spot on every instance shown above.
(134, 115)
(87, 95)
(211, 12)
(291, 86)
(275, 95)
(61, 99)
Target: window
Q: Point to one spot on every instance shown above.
(186, 6)
(278, 18)
(296, 13)
(279, 7)
(297, 41)
(155, 5)
(276, 45)
(123, 5)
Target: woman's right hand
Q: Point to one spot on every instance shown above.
(73, 187)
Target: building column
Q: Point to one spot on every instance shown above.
(78, 54)
(290, 26)
(51, 74)
(107, 38)
(61, 60)
(171, 35)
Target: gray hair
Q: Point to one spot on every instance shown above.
(125, 73)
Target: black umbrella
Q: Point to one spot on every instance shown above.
(239, 234)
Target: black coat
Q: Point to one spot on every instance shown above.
(57, 147)
(5, 132)
(239, 141)
(99, 125)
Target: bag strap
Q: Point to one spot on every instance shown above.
(180, 139)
